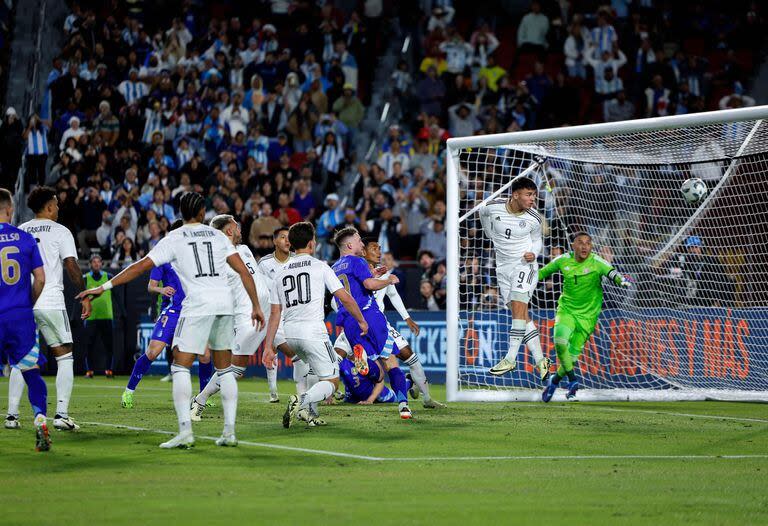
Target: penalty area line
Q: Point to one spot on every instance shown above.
(339, 454)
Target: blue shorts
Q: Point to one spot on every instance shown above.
(377, 342)
(165, 326)
(387, 396)
(18, 340)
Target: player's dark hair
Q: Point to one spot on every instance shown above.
(579, 234)
(6, 198)
(278, 230)
(190, 205)
(300, 234)
(523, 184)
(176, 224)
(221, 220)
(370, 239)
(342, 235)
(39, 197)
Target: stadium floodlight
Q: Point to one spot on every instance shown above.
(695, 323)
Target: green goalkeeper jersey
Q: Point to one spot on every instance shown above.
(582, 295)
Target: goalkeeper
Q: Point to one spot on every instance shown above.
(578, 307)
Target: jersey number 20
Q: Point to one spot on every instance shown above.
(300, 285)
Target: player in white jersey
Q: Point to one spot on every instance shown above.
(372, 255)
(298, 294)
(200, 255)
(247, 337)
(268, 266)
(57, 247)
(515, 227)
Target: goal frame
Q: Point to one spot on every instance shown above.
(453, 322)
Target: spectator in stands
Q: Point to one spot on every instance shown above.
(533, 29)
(604, 37)
(656, 98)
(619, 108)
(11, 132)
(433, 238)
(36, 136)
(576, 48)
(706, 282)
(606, 70)
(441, 17)
(387, 160)
(428, 299)
(431, 92)
(349, 108)
(463, 120)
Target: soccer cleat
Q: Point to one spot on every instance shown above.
(64, 423)
(227, 440)
(274, 398)
(433, 404)
(42, 437)
(127, 400)
(360, 359)
(181, 441)
(196, 410)
(12, 422)
(413, 391)
(543, 367)
(405, 412)
(109, 374)
(316, 422)
(503, 367)
(166, 378)
(572, 388)
(290, 412)
(549, 390)
(89, 374)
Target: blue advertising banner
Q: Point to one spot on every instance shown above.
(708, 347)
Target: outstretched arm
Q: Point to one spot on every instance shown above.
(145, 264)
(549, 269)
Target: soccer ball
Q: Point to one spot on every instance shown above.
(693, 190)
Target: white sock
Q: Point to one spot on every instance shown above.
(15, 391)
(182, 392)
(311, 380)
(300, 371)
(532, 341)
(237, 371)
(65, 378)
(319, 392)
(418, 375)
(210, 389)
(516, 335)
(272, 379)
(228, 399)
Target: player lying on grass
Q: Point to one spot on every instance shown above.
(366, 389)
(298, 294)
(578, 307)
(172, 295)
(514, 227)
(200, 255)
(21, 282)
(362, 283)
(372, 254)
(247, 337)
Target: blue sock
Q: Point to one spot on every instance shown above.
(398, 383)
(139, 370)
(408, 384)
(37, 391)
(204, 372)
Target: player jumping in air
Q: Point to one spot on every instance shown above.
(578, 307)
(514, 227)
(57, 248)
(362, 283)
(200, 255)
(20, 258)
(298, 295)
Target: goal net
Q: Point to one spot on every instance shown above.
(694, 324)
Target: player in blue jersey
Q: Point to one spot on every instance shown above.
(358, 279)
(20, 257)
(365, 389)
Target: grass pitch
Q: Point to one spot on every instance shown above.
(586, 463)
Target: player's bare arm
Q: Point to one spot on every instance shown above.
(38, 282)
(269, 355)
(132, 272)
(375, 284)
(154, 288)
(377, 389)
(76, 277)
(236, 262)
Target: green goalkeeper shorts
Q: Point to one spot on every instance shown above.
(569, 332)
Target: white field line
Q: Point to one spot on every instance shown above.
(340, 454)
(670, 413)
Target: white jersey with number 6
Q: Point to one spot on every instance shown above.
(300, 287)
(56, 244)
(199, 256)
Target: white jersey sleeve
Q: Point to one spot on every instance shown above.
(56, 244)
(199, 256)
(391, 292)
(242, 302)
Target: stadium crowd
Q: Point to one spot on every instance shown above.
(259, 108)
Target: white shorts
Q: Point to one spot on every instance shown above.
(194, 332)
(247, 339)
(54, 326)
(342, 342)
(318, 354)
(517, 283)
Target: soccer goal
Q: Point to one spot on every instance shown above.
(693, 326)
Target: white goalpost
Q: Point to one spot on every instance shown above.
(693, 326)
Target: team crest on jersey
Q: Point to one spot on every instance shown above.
(498, 218)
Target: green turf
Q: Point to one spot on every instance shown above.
(104, 475)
